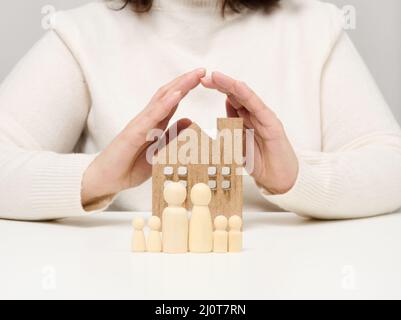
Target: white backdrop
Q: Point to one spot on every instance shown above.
(377, 35)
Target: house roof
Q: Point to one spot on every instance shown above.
(223, 123)
(193, 127)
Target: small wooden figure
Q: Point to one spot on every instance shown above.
(200, 225)
(175, 219)
(220, 236)
(154, 243)
(235, 234)
(138, 239)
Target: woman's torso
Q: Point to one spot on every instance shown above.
(126, 57)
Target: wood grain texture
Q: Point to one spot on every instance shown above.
(224, 152)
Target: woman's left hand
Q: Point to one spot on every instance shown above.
(275, 163)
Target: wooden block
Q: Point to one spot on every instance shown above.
(210, 169)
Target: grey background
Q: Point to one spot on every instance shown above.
(378, 37)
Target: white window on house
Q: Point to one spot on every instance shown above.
(226, 184)
(182, 171)
(213, 184)
(212, 171)
(226, 171)
(168, 171)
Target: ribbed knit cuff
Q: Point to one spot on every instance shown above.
(56, 187)
(316, 189)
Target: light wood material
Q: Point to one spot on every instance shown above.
(138, 238)
(202, 166)
(200, 225)
(175, 219)
(220, 235)
(154, 243)
(235, 234)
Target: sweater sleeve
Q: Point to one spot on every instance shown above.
(44, 105)
(358, 172)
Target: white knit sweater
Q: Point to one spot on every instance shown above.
(85, 79)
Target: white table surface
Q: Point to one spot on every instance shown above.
(285, 256)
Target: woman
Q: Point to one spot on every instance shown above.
(73, 128)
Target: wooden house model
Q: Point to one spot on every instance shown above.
(193, 157)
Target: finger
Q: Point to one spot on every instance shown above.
(158, 113)
(208, 83)
(142, 159)
(244, 95)
(173, 131)
(163, 124)
(231, 112)
(138, 129)
(234, 102)
(160, 109)
(163, 108)
(188, 82)
(245, 115)
(197, 74)
(234, 113)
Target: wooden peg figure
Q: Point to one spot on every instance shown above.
(235, 234)
(220, 235)
(200, 225)
(154, 243)
(175, 219)
(138, 239)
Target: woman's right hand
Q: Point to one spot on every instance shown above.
(123, 163)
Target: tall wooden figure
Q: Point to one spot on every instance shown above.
(200, 226)
(175, 219)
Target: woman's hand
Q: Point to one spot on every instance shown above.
(123, 163)
(276, 165)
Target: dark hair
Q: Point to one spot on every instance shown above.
(234, 5)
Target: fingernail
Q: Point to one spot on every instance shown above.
(200, 71)
(217, 73)
(220, 79)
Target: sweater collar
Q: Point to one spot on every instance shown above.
(207, 5)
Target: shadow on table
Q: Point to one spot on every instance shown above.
(252, 220)
(94, 221)
(284, 219)
(287, 219)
